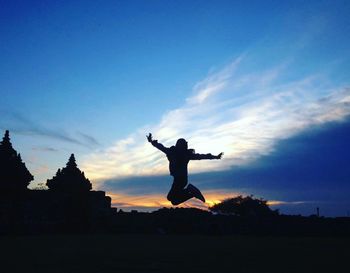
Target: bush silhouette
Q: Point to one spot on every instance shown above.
(244, 206)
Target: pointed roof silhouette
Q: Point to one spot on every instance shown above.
(5, 143)
(69, 179)
(14, 175)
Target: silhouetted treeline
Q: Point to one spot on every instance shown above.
(195, 221)
(68, 215)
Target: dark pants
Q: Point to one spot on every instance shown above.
(178, 194)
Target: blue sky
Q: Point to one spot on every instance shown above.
(263, 81)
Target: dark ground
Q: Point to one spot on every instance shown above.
(173, 253)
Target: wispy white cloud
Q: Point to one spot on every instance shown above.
(213, 83)
(243, 115)
(20, 124)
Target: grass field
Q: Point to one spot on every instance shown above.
(170, 253)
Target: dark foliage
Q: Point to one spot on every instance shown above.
(244, 206)
(69, 179)
(14, 176)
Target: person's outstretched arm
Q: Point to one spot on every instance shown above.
(155, 143)
(206, 156)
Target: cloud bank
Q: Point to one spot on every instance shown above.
(241, 114)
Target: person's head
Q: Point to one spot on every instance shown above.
(181, 144)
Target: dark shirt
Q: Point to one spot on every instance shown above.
(178, 160)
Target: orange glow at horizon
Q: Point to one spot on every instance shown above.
(125, 201)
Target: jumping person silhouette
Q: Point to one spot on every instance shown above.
(179, 156)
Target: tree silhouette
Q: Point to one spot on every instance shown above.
(14, 176)
(69, 179)
(244, 206)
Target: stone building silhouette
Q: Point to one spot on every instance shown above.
(69, 179)
(14, 176)
(69, 204)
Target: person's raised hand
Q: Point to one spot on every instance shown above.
(149, 137)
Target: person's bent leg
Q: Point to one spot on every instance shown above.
(180, 198)
(178, 194)
(195, 192)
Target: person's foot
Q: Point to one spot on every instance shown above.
(196, 192)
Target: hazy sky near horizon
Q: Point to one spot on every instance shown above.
(266, 82)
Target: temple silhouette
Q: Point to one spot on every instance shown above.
(14, 176)
(69, 179)
(68, 204)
